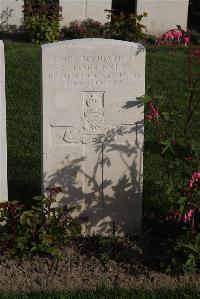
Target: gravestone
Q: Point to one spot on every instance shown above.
(162, 15)
(3, 141)
(84, 9)
(93, 130)
(11, 13)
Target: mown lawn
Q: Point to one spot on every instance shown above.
(166, 74)
(178, 293)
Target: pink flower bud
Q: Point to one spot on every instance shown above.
(190, 183)
(187, 40)
(190, 213)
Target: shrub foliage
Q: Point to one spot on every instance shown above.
(38, 229)
(41, 20)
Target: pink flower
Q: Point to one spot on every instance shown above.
(196, 175)
(187, 40)
(190, 213)
(153, 114)
(168, 35)
(79, 27)
(173, 215)
(194, 178)
(190, 184)
(158, 41)
(176, 34)
(152, 108)
(196, 53)
(149, 116)
(186, 217)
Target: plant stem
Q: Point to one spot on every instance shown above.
(190, 112)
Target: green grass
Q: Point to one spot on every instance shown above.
(23, 119)
(166, 74)
(178, 293)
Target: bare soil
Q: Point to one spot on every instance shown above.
(94, 262)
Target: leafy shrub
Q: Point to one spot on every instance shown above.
(41, 21)
(40, 229)
(180, 155)
(186, 255)
(125, 26)
(121, 26)
(83, 29)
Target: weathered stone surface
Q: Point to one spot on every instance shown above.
(83, 9)
(3, 141)
(93, 130)
(11, 12)
(163, 15)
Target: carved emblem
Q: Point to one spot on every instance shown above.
(140, 48)
(73, 135)
(93, 116)
(94, 123)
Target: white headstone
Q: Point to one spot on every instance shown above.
(82, 9)
(3, 141)
(163, 15)
(11, 12)
(93, 130)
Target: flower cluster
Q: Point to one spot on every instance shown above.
(195, 177)
(82, 29)
(10, 207)
(174, 35)
(153, 114)
(186, 217)
(79, 27)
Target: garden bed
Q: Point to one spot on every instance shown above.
(92, 262)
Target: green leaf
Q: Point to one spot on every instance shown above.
(182, 200)
(39, 209)
(169, 190)
(143, 100)
(23, 219)
(28, 213)
(30, 221)
(168, 146)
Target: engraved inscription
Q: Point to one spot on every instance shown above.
(93, 70)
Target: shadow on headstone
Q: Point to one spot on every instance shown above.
(112, 208)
